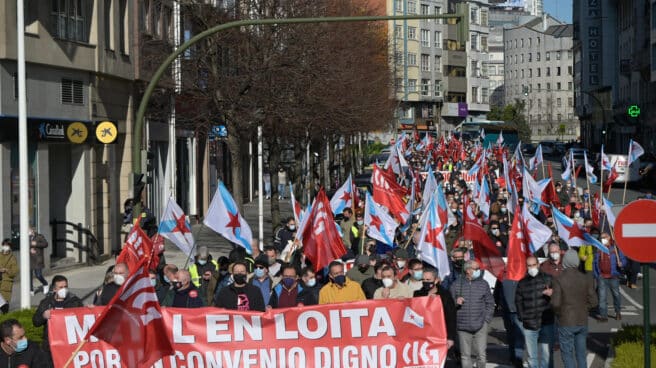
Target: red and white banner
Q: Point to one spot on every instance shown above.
(464, 175)
(373, 333)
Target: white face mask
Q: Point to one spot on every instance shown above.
(604, 241)
(311, 282)
(62, 293)
(387, 282)
(5, 249)
(554, 256)
(119, 279)
(401, 264)
(533, 271)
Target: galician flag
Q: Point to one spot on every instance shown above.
(432, 244)
(224, 218)
(573, 234)
(381, 225)
(175, 227)
(635, 151)
(342, 197)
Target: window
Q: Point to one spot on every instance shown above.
(569, 53)
(539, 72)
(537, 56)
(521, 42)
(557, 55)
(484, 17)
(438, 87)
(107, 18)
(425, 87)
(474, 68)
(560, 117)
(412, 85)
(522, 73)
(412, 6)
(548, 71)
(501, 69)
(15, 77)
(437, 64)
(398, 5)
(122, 25)
(569, 70)
(539, 86)
(398, 83)
(539, 103)
(423, 9)
(548, 86)
(398, 58)
(539, 118)
(491, 69)
(398, 31)
(484, 43)
(412, 58)
(570, 102)
(558, 71)
(437, 11)
(522, 58)
(538, 39)
(530, 41)
(425, 62)
(558, 86)
(530, 73)
(72, 92)
(474, 96)
(69, 20)
(559, 102)
(425, 38)
(569, 86)
(438, 39)
(530, 57)
(473, 19)
(485, 95)
(474, 41)
(547, 56)
(412, 33)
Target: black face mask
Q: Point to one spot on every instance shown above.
(427, 285)
(459, 263)
(240, 278)
(363, 269)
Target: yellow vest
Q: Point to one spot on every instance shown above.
(193, 271)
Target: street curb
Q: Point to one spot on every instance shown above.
(610, 357)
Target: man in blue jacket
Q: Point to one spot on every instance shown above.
(474, 311)
(608, 271)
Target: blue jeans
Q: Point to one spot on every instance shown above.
(602, 288)
(281, 190)
(539, 344)
(573, 345)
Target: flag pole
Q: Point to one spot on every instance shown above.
(77, 350)
(202, 225)
(627, 172)
(587, 182)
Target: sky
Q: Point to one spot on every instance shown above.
(559, 9)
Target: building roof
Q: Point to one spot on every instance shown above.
(563, 30)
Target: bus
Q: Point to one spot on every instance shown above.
(471, 130)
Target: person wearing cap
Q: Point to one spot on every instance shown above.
(572, 297)
(262, 281)
(401, 262)
(362, 269)
(204, 263)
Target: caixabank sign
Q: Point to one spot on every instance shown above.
(72, 132)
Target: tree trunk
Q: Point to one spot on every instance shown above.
(322, 163)
(274, 162)
(299, 158)
(235, 164)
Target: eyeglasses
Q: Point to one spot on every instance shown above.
(260, 267)
(532, 265)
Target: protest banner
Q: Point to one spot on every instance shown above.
(373, 333)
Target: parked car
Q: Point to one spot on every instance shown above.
(552, 148)
(528, 149)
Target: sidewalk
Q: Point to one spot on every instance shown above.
(84, 280)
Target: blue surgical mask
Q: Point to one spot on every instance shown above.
(167, 280)
(417, 275)
(21, 345)
(311, 282)
(259, 272)
(340, 280)
(202, 262)
(476, 274)
(153, 282)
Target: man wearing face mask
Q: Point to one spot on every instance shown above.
(608, 270)
(310, 293)
(240, 295)
(370, 285)
(263, 281)
(415, 275)
(552, 266)
(204, 263)
(285, 234)
(16, 350)
(431, 286)
(362, 271)
(8, 271)
(184, 293)
(120, 274)
(392, 288)
(401, 262)
(456, 263)
(58, 298)
(475, 308)
(287, 293)
(340, 289)
(499, 239)
(533, 298)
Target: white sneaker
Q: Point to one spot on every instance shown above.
(31, 292)
(45, 289)
(639, 276)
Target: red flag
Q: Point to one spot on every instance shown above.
(486, 252)
(321, 241)
(388, 193)
(356, 196)
(517, 249)
(611, 179)
(595, 210)
(132, 322)
(137, 247)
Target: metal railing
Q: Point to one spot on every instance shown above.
(86, 242)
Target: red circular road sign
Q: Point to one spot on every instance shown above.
(635, 230)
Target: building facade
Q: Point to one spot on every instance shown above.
(539, 69)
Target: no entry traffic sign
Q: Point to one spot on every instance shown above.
(635, 230)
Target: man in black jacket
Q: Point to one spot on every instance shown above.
(533, 298)
(184, 293)
(370, 285)
(119, 275)
(16, 351)
(58, 298)
(431, 287)
(240, 295)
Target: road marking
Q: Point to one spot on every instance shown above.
(638, 231)
(590, 359)
(631, 300)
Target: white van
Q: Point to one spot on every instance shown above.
(620, 162)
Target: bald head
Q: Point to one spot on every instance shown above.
(184, 278)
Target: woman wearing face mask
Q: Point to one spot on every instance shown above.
(59, 297)
(16, 350)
